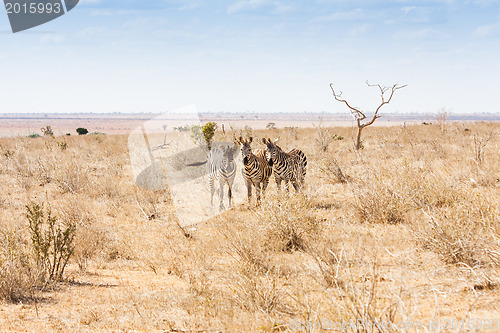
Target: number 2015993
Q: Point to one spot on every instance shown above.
(33, 8)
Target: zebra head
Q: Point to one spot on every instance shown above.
(246, 149)
(272, 149)
(228, 155)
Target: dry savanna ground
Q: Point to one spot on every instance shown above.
(405, 230)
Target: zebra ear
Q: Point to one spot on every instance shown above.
(264, 140)
(275, 140)
(250, 139)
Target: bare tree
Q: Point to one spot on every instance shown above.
(442, 118)
(47, 131)
(480, 144)
(359, 115)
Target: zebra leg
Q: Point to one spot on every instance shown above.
(278, 184)
(212, 190)
(257, 191)
(264, 186)
(221, 194)
(230, 195)
(286, 186)
(249, 190)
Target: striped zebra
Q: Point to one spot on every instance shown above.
(257, 171)
(221, 167)
(289, 167)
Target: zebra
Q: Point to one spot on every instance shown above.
(290, 167)
(222, 167)
(256, 170)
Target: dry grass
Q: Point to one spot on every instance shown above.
(405, 230)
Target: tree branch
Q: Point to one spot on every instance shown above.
(383, 90)
(360, 115)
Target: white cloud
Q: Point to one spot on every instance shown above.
(246, 5)
(486, 2)
(408, 9)
(51, 38)
(488, 30)
(84, 2)
(360, 29)
(354, 14)
(251, 5)
(426, 33)
(91, 31)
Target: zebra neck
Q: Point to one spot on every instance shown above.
(281, 157)
(249, 160)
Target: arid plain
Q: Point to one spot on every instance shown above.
(404, 232)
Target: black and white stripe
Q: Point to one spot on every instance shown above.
(256, 171)
(221, 167)
(289, 167)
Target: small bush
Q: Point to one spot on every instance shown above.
(47, 131)
(52, 242)
(290, 224)
(62, 145)
(262, 293)
(82, 131)
(90, 239)
(19, 275)
(72, 177)
(196, 134)
(208, 131)
(380, 203)
(332, 172)
(271, 125)
(181, 129)
(465, 234)
(324, 137)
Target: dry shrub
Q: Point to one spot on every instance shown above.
(429, 186)
(51, 241)
(289, 223)
(332, 172)
(479, 146)
(23, 168)
(262, 293)
(324, 137)
(20, 277)
(257, 279)
(388, 195)
(466, 234)
(72, 176)
(90, 239)
(244, 241)
(151, 203)
(380, 202)
(89, 242)
(354, 293)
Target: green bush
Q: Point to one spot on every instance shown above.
(208, 132)
(196, 134)
(52, 242)
(82, 131)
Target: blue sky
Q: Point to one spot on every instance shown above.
(255, 55)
